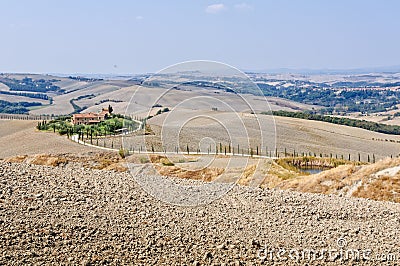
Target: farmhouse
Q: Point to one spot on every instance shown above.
(90, 118)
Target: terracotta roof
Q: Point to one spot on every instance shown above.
(88, 115)
(91, 117)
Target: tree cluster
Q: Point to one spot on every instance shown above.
(16, 108)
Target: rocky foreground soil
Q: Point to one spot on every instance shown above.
(78, 216)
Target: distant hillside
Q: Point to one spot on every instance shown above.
(327, 71)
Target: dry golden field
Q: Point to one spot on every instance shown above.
(19, 137)
(291, 133)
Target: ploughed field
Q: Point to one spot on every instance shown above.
(73, 215)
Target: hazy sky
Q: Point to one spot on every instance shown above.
(86, 36)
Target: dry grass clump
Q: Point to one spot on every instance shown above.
(283, 171)
(17, 159)
(104, 161)
(117, 167)
(49, 160)
(383, 188)
(161, 159)
(326, 182)
(148, 130)
(155, 158)
(206, 174)
(371, 169)
(247, 175)
(100, 161)
(166, 167)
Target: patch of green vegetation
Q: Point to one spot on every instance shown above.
(285, 163)
(282, 173)
(108, 100)
(16, 108)
(164, 110)
(168, 163)
(295, 163)
(27, 94)
(84, 79)
(144, 160)
(123, 153)
(28, 84)
(109, 127)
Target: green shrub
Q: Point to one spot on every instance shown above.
(144, 160)
(123, 152)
